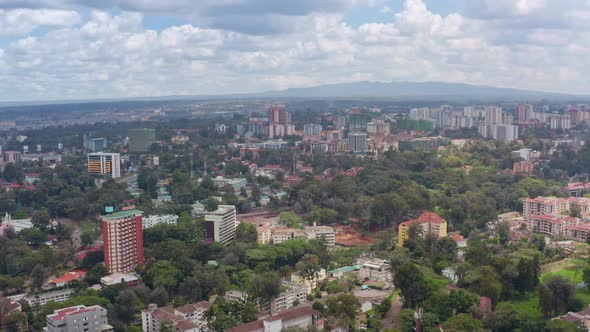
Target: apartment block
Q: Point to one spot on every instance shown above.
(544, 205)
(326, 233)
(430, 222)
(78, 318)
(122, 234)
(187, 318)
(280, 235)
(151, 221)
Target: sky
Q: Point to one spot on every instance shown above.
(87, 49)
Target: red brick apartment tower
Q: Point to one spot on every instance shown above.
(122, 234)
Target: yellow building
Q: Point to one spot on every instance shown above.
(430, 222)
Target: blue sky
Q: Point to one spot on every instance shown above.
(76, 49)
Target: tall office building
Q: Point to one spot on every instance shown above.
(221, 224)
(559, 121)
(278, 115)
(524, 112)
(493, 114)
(105, 163)
(357, 120)
(141, 139)
(506, 133)
(357, 142)
(122, 234)
(98, 144)
(312, 129)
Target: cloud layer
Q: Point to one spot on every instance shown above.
(255, 45)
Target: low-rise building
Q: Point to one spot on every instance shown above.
(280, 235)
(236, 296)
(78, 318)
(326, 233)
(186, 318)
(117, 278)
(41, 299)
(544, 205)
(375, 270)
(235, 184)
(153, 220)
(8, 308)
(550, 224)
(66, 278)
(304, 318)
(293, 295)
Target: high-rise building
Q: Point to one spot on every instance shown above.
(221, 224)
(357, 120)
(278, 115)
(78, 318)
(493, 114)
(105, 163)
(312, 129)
(506, 133)
(357, 142)
(378, 127)
(141, 139)
(122, 235)
(97, 144)
(559, 121)
(524, 112)
(10, 156)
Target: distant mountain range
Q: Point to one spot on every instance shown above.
(362, 90)
(413, 90)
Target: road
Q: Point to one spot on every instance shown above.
(390, 321)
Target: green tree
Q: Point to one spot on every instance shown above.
(463, 322)
(40, 219)
(164, 274)
(344, 308)
(557, 325)
(412, 285)
(211, 204)
(246, 233)
(265, 286)
(290, 220)
(33, 236)
(555, 296)
(309, 268)
(38, 276)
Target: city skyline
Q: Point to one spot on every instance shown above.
(72, 49)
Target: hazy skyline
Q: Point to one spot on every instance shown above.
(81, 49)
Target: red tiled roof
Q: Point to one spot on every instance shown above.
(69, 276)
(426, 217)
(61, 314)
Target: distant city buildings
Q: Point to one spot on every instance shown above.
(357, 142)
(122, 234)
(141, 139)
(105, 164)
(221, 224)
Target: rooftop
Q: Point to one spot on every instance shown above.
(122, 214)
(425, 217)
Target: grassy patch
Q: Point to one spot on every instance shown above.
(431, 277)
(86, 226)
(573, 271)
(528, 306)
(583, 295)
